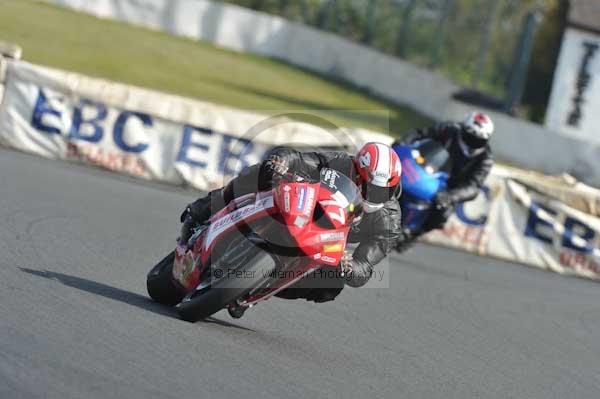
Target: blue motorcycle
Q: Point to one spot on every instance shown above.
(425, 166)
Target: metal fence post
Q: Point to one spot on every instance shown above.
(323, 14)
(256, 4)
(518, 77)
(283, 6)
(304, 12)
(440, 33)
(370, 21)
(336, 15)
(486, 38)
(402, 41)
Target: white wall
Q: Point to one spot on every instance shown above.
(521, 143)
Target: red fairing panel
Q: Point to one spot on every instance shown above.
(240, 211)
(188, 265)
(297, 203)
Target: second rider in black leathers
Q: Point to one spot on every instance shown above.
(470, 163)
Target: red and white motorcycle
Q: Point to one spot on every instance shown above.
(259, 245)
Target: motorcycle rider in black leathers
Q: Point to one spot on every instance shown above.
(471, 162)
(376, 170)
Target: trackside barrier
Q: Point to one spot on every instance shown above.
(151, 135)
(520, 217)
(547, 222)
(242, 29)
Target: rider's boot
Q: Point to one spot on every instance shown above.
(187, 230)
(236, 311)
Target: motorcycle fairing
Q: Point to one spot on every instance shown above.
(416, 181)
(189, 263)
(419, 185)
(298, 204)
(303, 211)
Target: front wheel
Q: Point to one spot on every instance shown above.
(160, 284)
(236, 283)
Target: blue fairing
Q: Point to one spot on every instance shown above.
(419, 188)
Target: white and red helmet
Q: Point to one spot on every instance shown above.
(477, 131)
(379, 168)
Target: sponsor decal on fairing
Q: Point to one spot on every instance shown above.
(301, 198)
(229, 220)
(330, 178)
(333, 236)
(310, 201)
(300, 221)
(333, 248)
(328, 259)
(286, 201)
(340, 201)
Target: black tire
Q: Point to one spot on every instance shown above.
(160, 284)
(204, 303)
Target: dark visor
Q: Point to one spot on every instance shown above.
(473, 141)
(378, 195)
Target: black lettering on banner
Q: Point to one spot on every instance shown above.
(583, 82)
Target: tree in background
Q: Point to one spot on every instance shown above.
(544, 59)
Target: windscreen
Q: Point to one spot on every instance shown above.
(337, 182)
(431, 155)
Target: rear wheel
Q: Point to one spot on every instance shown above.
(255, 268)
(160, 284)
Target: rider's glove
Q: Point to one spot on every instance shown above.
(277, 165)
(346, 264)
(443, 200)
(407, 234)
(184, 215)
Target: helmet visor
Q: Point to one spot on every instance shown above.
(473, 141)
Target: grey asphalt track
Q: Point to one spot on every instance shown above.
(75, 321)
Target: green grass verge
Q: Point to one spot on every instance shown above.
(68, 40)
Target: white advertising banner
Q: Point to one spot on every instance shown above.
(575, 95)
(514, 221)
(151, 135)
